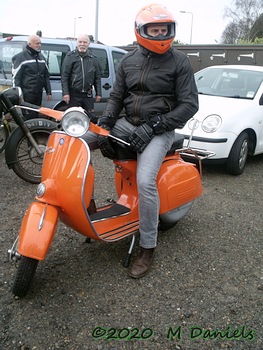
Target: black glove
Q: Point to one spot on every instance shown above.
(106, 122)
(105, 147)
(140, 138)
(156, 123)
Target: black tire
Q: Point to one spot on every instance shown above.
(164, 226)
(24, 275)
(28, 164)
(237, 159)
(4, 134)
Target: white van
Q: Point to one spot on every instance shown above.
(54, 51)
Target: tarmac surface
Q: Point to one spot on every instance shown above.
(203, 292)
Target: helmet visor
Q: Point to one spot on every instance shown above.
(158, 31)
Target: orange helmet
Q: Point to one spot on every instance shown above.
(150, 15)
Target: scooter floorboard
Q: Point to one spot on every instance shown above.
(115, 210)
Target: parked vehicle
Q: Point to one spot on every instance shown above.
(55, 51)
(230, 117)
(5, 129)
(66, 191)
(25, 145)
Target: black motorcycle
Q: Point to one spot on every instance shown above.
(5, 130)
(25, 145)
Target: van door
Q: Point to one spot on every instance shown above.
(108, 59)
(54, 55)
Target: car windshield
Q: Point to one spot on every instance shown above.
(227, 82)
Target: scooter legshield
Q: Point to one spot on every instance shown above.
(37, 230)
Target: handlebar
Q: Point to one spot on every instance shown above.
(30, 105)
(53, 113)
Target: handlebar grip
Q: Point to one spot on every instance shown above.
(30, 105)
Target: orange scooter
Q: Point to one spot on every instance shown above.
(66, 191)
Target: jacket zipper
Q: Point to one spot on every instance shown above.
(144, 71)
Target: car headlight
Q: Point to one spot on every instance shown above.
(75, 122)
(211, 123)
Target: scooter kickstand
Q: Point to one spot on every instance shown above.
(126, 262)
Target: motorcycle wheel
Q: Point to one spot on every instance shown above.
(24, 275)
(28, 164)
(4, 134)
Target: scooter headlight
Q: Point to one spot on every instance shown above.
(75, 122)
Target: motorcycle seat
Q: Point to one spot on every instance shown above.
(122, 153)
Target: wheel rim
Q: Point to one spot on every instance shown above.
(28, 164)
(243, 154)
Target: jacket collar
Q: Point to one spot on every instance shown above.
(32, 51)
(87, 53)
(147, 52)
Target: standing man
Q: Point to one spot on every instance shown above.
(30, 73)
(156, 87)
(80, 72)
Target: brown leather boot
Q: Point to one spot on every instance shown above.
(143, 263)
(92, 207)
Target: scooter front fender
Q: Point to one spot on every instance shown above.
(18, 133)
(37, 230)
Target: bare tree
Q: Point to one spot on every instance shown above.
(243, 15)
(257, 29)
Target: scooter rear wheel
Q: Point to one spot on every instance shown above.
(164, 226)
(24, 275)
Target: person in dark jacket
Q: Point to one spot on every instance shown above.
(80, 72)
(30, 73)
(156, 87)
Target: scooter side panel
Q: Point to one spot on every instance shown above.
(178, 182)
(35, 238)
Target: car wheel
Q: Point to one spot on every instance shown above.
(236, 162)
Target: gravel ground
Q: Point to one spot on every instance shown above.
(207, 276)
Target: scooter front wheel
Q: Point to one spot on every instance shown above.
(24, 275)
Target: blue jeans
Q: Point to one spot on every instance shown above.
(148, 165)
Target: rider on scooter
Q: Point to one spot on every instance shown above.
(156, 87)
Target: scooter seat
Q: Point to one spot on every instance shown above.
(126, 154)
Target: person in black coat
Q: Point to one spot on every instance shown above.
(155, 86)
(30, 73)
(80, 72)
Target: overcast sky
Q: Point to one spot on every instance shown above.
(56, 18)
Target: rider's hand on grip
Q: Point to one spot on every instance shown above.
(105, 147)
(140, 138)
(106, 122)
(156, 123)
